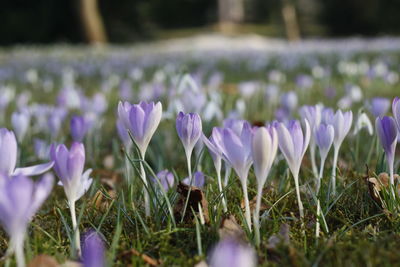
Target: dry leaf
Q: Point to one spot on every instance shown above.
(149, 260)
(43, 261)
(100, 201)
(196, 197)
(229, 228)
(375, 185)
(109, 180)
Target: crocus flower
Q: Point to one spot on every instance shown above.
(20, 122)
(216, 154)
(263, 149)
(93, 250)
(232, 253)
(387, 133)
(379, 106)
(8, 146)
(79, 128)
(20, 199)
(293, 145)
(236, 149)
(198, 180)
(341, 123)
(313, 115)
(324, 135)
(166, 179)
(142, 121)
(189, 130)
(69, 165)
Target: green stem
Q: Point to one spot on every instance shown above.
(145, 191)
(75, 227)
(301, 209)
(246, 203)
(313, 163)
(333, 177)
(257, 217)
(321, 173)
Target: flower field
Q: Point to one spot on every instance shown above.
(267, 155)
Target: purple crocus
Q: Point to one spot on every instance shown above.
(232, 253)
(20, 199)
(198, 180)
(293, 145)
(189, 129)
(142, 121)
(341, 123)
(93, 250)
(8, 146)
(166, 179)
(379, 106)
(79, 128)
(236, 149)
(69, 165)
(387, 133)
(323, 135)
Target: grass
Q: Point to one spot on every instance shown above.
(357, 231)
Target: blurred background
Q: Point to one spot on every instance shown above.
(127, 21)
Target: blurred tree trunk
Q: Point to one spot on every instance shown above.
(290, 20)
(92, 23)
(231, 13)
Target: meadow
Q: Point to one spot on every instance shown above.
(161, 192)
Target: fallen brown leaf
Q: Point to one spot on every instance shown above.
(196, 197)
(375, 185)
(109, 180)
(43, 261)
(100, 201)
(149, 260)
